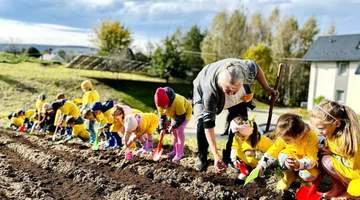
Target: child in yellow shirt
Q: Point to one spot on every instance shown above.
(179, 110)
(340, 126)
(78, 129)
(247, 147)
(90, 95)
(140, 126)
(296, 150)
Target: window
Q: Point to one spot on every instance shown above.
(357, 70)
(340, 96)
(342, 68)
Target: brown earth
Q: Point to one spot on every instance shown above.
(32, 167)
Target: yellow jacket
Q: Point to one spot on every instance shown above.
(79, 130)
(70, 108)
(17, 121)
(29, 114)
(304, 147)
(346, 166)
(90, 97)
(57, 119)
(240, 146)
(179, 106)
(148, 124)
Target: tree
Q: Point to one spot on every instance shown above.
(190, 47)
(227, 37)
(331, 30)
(261, 54)
(166, 60)
(259, 30)
(62, 53)
(111, 37)
(307, 35)
(33, 52)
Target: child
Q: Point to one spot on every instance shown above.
(90, 96)
(47, 123)
(103, 115)
(247, 145)
(295, 148)
(179, 109)
(65, 108)
(88, 115)
(78, 128)
(143, 125)
(15, 121)
(118, 113)
(340, 126)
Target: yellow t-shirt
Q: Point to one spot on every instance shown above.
(38, 105)
(17, 121)
(179, 106)
(90, 97)
(79, 130)
(148, 124)
(240, 146)
(70, 108)
(306, 146)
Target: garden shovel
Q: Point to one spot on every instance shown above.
(309, 192)
(273, 99)
(252, 176)
(158, 151)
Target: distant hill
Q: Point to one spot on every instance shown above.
(74, 50)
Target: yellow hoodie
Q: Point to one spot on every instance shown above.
(346, 166)
(240, 146)
(304, 147)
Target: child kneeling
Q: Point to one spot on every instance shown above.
(295, 149)
(247, 145)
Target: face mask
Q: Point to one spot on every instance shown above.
(245, 129)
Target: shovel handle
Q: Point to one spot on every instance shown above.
(273, 99)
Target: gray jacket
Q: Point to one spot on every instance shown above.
(209, 99)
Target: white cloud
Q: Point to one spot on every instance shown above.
(43, 33)
(92, 3)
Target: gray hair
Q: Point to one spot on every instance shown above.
(235, 72)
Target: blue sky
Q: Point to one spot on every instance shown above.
(71, 22)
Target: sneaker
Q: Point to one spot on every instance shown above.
(202, 166)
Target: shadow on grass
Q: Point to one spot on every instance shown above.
(19, 86)
(144, 91)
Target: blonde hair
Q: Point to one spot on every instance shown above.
(348, 132)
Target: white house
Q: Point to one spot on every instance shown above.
(335, 70)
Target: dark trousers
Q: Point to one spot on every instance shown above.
(203, 145)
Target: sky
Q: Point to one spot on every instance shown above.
(71, 22)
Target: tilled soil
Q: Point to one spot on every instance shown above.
(32, 167)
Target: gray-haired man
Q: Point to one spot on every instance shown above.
(218, 86)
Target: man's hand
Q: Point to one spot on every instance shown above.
(219, 164)
(272, 92)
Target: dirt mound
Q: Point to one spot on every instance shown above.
(33, 167)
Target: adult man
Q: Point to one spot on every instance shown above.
(222, 85)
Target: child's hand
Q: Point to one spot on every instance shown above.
(292, 163)
(250, 153)
(219, 164)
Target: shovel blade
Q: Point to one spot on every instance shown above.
(252, 176)
(157, 154)
(307, 193)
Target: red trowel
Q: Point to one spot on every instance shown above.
(156, 155)
(309, 192)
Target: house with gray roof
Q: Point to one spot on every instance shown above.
(335, 69)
